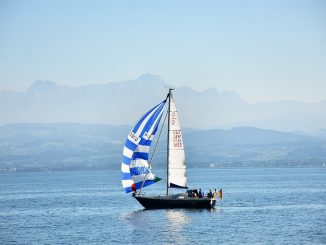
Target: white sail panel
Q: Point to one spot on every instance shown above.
(176, 162)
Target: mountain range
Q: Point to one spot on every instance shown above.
(122, 103)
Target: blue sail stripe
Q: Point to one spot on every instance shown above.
(156, 126)
(140, 155)
(147, 143)
(139, 170)
(131, 146)
(128, 189)
(141, 142)
(126, 176)
(126, 160)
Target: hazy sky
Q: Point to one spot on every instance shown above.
(265, 50)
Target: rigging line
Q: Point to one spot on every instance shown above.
(150, 161)
(159, 135)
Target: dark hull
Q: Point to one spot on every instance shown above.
(168, 202)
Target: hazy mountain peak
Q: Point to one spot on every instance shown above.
(145, 82)
(40, 85)
(149, 78)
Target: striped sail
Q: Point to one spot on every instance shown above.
(176, 162)
(135, 168)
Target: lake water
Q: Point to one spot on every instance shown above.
(260, 206)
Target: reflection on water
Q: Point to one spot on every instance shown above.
(172, 223)
(177, 221)
(177, 218)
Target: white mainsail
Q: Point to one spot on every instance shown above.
(176, 162)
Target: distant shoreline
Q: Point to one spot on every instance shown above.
(2, 171)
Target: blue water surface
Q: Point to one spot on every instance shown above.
(260, 206)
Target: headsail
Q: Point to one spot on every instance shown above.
(135, 168)
(176, 162)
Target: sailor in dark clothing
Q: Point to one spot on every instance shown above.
(201, 194)
(210, 194)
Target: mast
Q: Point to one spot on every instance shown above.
(168, 142)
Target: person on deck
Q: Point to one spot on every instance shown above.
(214, 194)
(201, 193)
(210, 194)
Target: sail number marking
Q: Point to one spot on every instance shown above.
(133, 138)
(177, 138)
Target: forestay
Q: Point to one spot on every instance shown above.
(176, 162)
(135, 168)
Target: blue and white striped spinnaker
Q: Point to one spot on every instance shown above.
(135, 168)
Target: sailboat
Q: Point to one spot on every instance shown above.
(136, 167)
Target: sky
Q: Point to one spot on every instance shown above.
(262, 49)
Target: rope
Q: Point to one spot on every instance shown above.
(159, 135)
